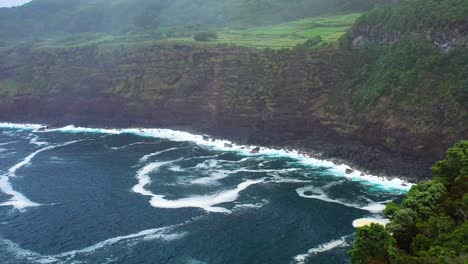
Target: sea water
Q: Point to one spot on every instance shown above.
(86, 195)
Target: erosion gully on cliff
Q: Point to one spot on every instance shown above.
(215, 102)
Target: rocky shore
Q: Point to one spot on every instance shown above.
(322, 144)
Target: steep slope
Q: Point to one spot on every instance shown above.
(406, 74)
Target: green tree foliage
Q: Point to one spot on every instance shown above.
(417, 15)
(455, 165)
(430, 225)
(400, 59)
(374, 244)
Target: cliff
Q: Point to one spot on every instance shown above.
(389, 104)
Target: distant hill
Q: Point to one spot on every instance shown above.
(52, 18)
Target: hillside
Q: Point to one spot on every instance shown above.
(405, 72)
(44, 19)
(318, 31)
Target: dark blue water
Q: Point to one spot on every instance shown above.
(99, 197)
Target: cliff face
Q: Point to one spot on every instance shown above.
(169, 85)
(294, 97)
(444, 23)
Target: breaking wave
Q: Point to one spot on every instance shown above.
(338, 170)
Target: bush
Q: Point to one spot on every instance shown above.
(313, 41)
(205, 36)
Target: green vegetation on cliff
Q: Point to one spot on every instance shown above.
(405, 70)
(417, 15)
(430, 225)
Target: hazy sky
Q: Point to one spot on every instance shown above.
(10, 3)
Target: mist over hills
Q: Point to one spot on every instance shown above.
(52, 18)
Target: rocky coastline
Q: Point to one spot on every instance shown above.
(369, 159)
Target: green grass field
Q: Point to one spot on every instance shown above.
(285, 35)
(289, 34)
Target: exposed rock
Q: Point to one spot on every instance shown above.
(349, 171)
(255, 150)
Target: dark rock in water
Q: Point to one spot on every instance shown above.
(226, 145)
(349, 171)
(362, 174)
(255, 150)
(404, 184)
(308, 193)
(206, 137)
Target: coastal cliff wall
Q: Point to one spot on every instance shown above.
(296, 97)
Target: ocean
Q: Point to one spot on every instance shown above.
(87, 195)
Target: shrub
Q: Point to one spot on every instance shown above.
(205, 36)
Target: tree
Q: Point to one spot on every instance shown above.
(456, 163)
(205, 36)
(423, 198)
(374, 244)
(429, 226)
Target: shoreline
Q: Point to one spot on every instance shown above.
(338, 166)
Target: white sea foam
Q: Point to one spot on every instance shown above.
(8, 143)
(238, 207)
(19, 200)
(218, 174)
(129, 145)
(367, 221)
(214, 178)
(161, 233)
(176, 168)
(24, 254)
(206, 202)
(35, 140)
(312, 192)
(147, 157)
(338, 170)
(21, 126)
(149, 234)
(339, 243)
